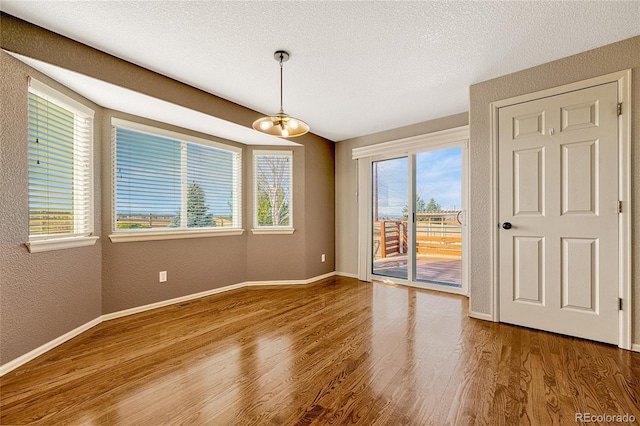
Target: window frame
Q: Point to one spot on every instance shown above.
(271, 229)
(79, 237)
(155, 234)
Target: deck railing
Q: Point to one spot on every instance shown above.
(433, 238)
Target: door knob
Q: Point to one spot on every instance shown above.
(506, 225)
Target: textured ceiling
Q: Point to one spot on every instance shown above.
(356, 67)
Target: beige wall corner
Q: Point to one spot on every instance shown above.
(44, 295)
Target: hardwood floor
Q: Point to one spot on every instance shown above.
(338, 351)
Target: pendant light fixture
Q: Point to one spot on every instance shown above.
(281, 124)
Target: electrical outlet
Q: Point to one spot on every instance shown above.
(323, 257)
(163, 276)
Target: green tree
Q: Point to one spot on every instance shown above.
(267, 210)
(421, 207)
(432, 206)
(198, 215)
(273, 187)
(264, 209)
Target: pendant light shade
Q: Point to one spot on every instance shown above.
(281, 124)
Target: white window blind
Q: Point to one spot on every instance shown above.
(60, 165)
(165, 182)
(273, 180)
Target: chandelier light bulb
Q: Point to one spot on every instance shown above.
(266, 125)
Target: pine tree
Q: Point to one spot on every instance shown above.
(197, 209)
(432, 206)
(422, 207)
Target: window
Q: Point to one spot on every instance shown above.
(60, 170)
(166, 182)
(272, 190)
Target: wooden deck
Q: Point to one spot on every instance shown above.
(430, 269)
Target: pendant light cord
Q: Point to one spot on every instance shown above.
(281, 67)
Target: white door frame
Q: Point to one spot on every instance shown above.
(623, 78)
(366, 155)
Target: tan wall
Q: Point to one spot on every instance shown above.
(130, 270)
(604, 60)
(270, 254)
(32, 316)
(319, 208)
(347, 184)
(42, 295)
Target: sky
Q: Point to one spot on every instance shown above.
(438, 175)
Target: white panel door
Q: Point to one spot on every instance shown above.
(558, 198)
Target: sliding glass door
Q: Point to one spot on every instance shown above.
(438, 217)
(390, 195)
(417, 229)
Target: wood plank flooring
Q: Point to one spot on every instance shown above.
(336, 352)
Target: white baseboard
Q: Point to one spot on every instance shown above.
(273, 283)
(635, 347)
(321, 277)
(138, 309)
(347, 274)
(288, 282)
(13, 364)
(480, 316)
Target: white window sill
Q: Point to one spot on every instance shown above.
(176, 235)
(274, 230)
(59, 243)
